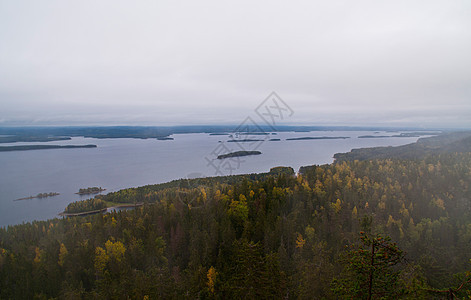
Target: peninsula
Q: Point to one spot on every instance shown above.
(452, 142)
(40, 195)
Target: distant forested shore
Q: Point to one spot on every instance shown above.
(42, 147)
(47, 134)
(442, 143)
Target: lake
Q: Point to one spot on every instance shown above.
(121, 163)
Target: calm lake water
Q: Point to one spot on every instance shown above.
(121, 163)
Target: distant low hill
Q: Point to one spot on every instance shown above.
(46, 134)
(442, 143)
(42, 147)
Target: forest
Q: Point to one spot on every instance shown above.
(85, 206)
(389, 228)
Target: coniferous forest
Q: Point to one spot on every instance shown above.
(370, 229)
(355, 117)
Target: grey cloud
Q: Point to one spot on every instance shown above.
(184, 62)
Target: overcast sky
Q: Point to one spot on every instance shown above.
(393, 63)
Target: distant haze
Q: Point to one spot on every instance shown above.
(392, 63)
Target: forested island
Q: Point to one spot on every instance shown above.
(318, 138)
(90, 190)
(245, 141)
(238, 153)
(165, 138)
(382, 228)
(40, 195)
(253, 133)
(42, 147)
(374, 136)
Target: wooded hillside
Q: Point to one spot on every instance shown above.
(274, 235)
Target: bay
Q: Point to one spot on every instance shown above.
(121, 163)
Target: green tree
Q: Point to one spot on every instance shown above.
(254, 275)
(370, 270)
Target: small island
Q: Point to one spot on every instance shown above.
(40, 195)
(239, 153)
(318, 138)
(41, 147)
(90, 190)
(374, 136)
(253, 133)
(165, 138)
(244, 141)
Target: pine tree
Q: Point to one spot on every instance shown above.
(370, 270)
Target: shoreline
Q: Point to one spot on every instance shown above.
(92, 212)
